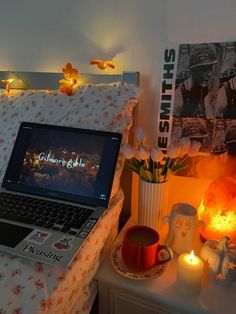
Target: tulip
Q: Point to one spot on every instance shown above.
(143, 153)
(128, 151)
(194, 148)
(172, 151)
(184, 145)
(156, 154)
(139, 135)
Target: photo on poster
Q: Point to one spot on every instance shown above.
(204, 106)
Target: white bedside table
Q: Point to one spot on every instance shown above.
(121, 295)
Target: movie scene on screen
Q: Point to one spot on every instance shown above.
(65, 168)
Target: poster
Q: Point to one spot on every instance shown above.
(198, 101)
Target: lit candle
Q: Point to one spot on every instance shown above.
(189, 273)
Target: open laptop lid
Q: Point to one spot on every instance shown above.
(65, 163)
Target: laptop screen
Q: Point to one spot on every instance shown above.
(65, 163)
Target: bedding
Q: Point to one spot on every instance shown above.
(30, 287)
(94, 106)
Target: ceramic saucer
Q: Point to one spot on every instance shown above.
(121, 268)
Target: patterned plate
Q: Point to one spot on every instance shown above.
(121, 268)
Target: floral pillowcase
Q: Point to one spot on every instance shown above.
(101, 107)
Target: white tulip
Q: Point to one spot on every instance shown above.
(128, 151)
(156, 154)
(140, 135)
(194, 148)
(172, 151)
(143, 153)
(184, 145)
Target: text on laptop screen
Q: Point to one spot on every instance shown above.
(61, 162)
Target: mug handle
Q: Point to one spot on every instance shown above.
(169, 252)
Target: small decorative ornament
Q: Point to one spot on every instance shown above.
(220, 257)
(103, 65)
(64, 243)
(70, 83)
(183, 234)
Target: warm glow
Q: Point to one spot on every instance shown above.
(223, 223)
(103, 65)
(217, 221)
(191, 259)
(7, 82)
(218, 209)
(190, 270)
(191, 256)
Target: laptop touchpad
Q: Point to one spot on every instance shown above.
(11, 235)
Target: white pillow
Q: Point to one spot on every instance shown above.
(101, 107)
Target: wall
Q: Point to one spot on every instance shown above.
(44, 35)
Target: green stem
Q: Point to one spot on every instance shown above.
(164, 170)
(146, 164)
(183, 159)
(158, 167)
(178, 162)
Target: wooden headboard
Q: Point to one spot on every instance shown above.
(47, 81)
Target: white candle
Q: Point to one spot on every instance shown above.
(190, 270)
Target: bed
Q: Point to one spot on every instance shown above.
(103, 102)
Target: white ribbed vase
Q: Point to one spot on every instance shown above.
(152, 204)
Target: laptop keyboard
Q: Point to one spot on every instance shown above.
(42, 213)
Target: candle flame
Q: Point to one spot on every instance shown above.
(191, 256)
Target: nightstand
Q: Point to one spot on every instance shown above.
(120, 295)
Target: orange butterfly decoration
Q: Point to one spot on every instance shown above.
(103, 65)
(70, 82)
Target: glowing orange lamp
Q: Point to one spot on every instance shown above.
(218, 209)
(103, 65)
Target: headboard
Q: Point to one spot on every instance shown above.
(45, 80)
(50, 81)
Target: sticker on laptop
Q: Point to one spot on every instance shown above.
(38, 237)
(63, 244)
(30, 249)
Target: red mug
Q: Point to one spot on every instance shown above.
(141, 248)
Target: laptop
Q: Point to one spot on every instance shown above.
(56, 187)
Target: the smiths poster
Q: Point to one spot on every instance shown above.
(198, 101)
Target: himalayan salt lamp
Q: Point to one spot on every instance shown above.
(218, 209)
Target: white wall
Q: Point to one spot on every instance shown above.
(44, 35)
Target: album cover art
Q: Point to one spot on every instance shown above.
(198, 101)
